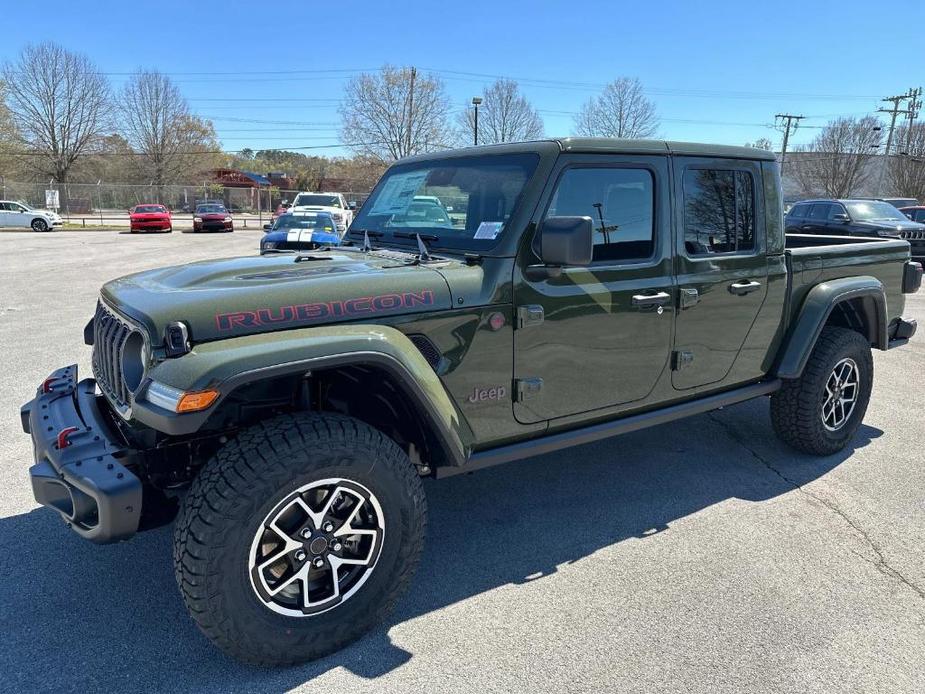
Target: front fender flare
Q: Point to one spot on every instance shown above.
(229, 364)
(815, 311)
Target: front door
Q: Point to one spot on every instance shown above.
(722, 268)
(600, 335)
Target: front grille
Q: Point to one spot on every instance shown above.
(296, 245)
(110, 333)
(913, 235)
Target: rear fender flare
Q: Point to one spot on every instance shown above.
(815, 311)
(229, 364)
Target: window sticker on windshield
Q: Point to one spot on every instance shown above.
(488, 230)
(397, 193)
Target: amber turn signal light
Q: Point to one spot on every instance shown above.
(200, 400)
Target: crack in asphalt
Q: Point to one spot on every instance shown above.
(880, 562)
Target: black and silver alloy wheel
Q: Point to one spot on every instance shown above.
(841, 394)
(317, 547)
(820, 411)
(298, 536)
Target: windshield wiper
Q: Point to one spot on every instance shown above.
(413, 235)
(367, 232)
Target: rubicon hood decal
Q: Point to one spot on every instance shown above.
(324, 311)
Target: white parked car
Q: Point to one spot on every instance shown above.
(335, 203)
(19, 214)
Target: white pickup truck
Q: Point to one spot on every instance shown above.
(335, 203)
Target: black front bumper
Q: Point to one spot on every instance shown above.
(80, 460)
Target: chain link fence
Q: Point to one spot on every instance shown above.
(111, 201)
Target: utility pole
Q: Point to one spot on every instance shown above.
(914, 105)
(414, 73)
(894, 111)
(790, 124)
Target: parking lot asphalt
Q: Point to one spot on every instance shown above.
(700, 556)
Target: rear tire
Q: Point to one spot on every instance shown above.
(820, 412)
(238, 537)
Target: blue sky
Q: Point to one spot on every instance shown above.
(270, 74)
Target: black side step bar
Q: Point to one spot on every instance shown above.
(596, 432)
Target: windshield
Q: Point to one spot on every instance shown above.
(149, 209)
(874, 210)
(466, 202)
(210, 209)
(317, 200)
(292, 221)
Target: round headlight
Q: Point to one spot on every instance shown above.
(268, 245)
(134, 359)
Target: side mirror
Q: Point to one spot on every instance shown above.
(267, 227)
(563, 242)
(841, 217)
(352, 205)
(909, 215)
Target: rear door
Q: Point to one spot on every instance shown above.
(722, 268)
(5, 220)
(600, 335)
(817, 220)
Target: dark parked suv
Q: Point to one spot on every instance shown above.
(855, 218)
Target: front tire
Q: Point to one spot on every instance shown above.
(298, 537)
(39, 225)
(820, 412)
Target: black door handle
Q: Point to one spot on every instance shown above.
(743, 288)
(645, 300)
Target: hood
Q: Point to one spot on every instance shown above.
(243, 296)
(896, 225)
(213, 215)
(149, 215)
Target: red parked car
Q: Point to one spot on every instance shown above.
(150, 218)
(212, 216)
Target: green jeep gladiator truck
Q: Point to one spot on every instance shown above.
(491, 304)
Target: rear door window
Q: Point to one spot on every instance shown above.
(820, 211)
(719, 211)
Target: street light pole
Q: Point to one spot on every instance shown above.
(476, 100)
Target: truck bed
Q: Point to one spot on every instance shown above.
(815, 258)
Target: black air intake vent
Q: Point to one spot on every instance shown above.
(428, 349)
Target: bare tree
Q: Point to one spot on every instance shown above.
(8, 136)
(835, 163)
(157, 122)
(622, 110)
(505, 115)
(907, 169)
(395, 113)
(761, 143)
(58, 101)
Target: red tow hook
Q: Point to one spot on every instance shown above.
(62, 437)
(46, 384)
